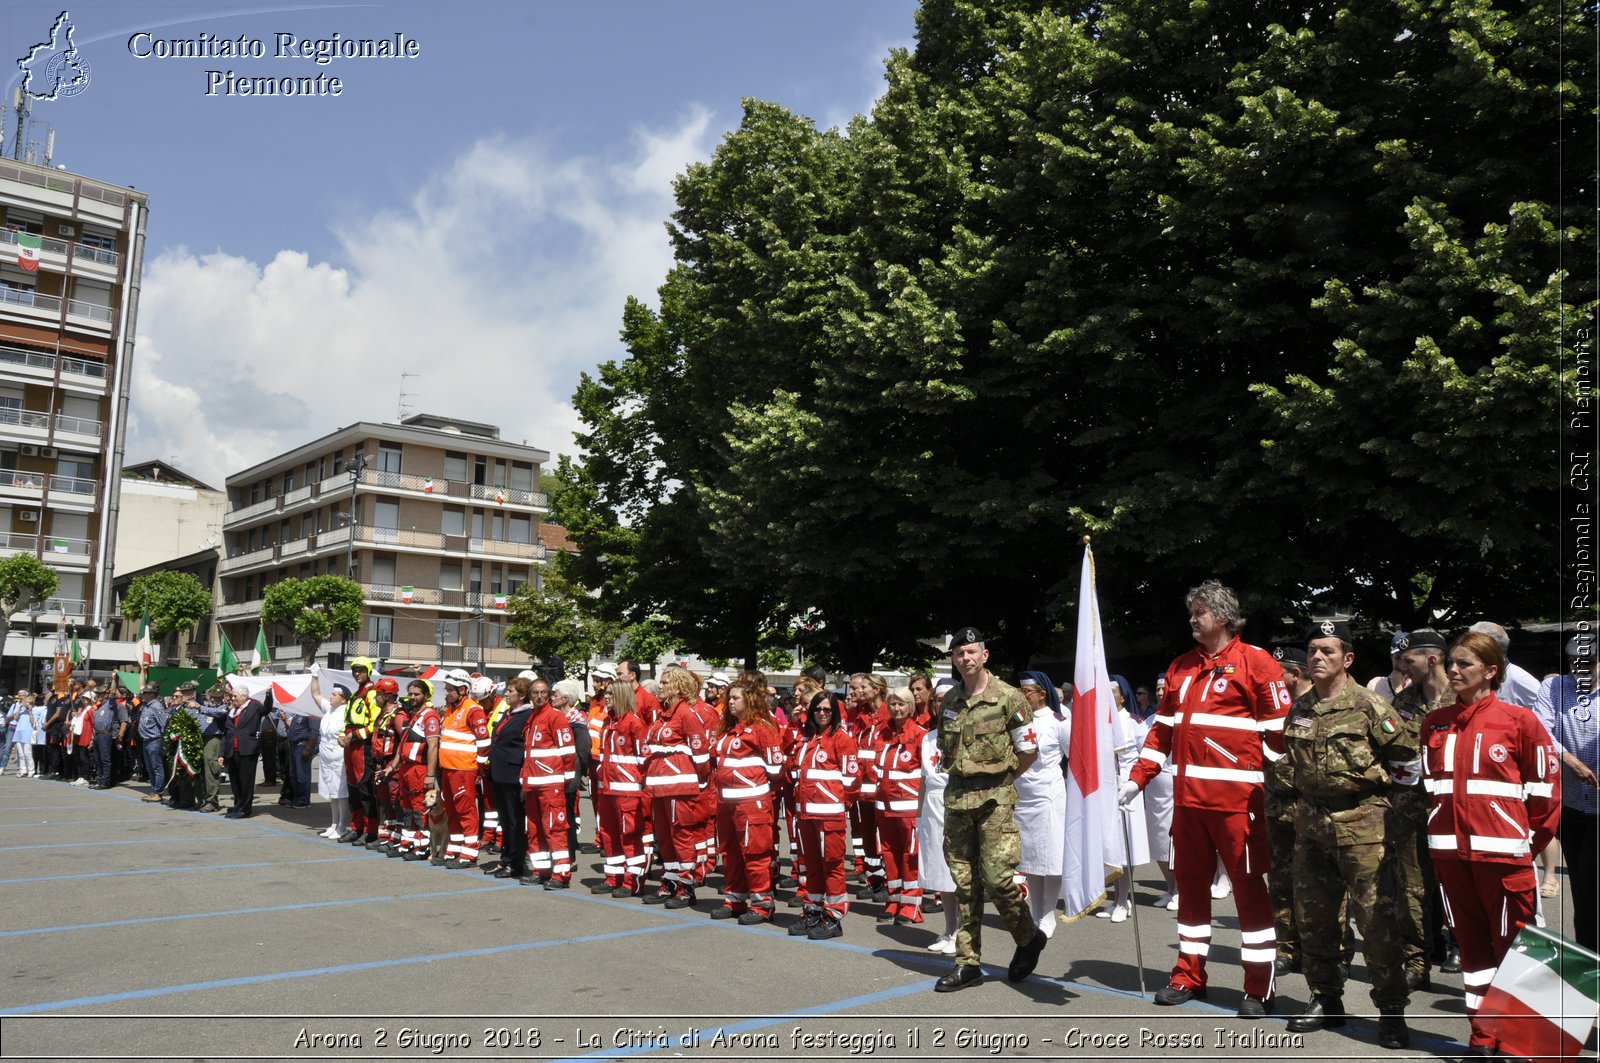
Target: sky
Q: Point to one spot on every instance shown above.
(475, 215)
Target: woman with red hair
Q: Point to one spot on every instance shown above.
(745, 759)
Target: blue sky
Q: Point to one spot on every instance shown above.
(475, 215)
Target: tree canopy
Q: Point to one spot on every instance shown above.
(23, 579)
(1272, 295)
(315, 608)
(177, 601)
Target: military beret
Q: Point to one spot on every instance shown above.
(1328, 629)
(1422, 640)
(1289, 656)
(1397, 642)
(965, 635)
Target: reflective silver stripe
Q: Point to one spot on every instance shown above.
(1493, 789)
(624, 758)
(904, 776)
(821, 809)
(810, 773)
(1441, 841)
(1169, 720)
(542, 780)
(744, 762)
(622, 787)
(1439, 786)
(1272, 757)
(669, 780)
(1274, 724)
(1538, 789)
(1258, 937)
(459, 747)
(734, 792)
(1212, 719)
(1485, 843)
(1194, 930)
(663, 750)
(1154, 756)
(1225, 774)
(1195, 948)
(900, 806)
(558, 751)
(1257, 955)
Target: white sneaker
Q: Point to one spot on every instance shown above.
(79, 782)
(1166, 898)
(1119, 914)
(1221, 889)
(945, 946)
(1102, 912)
(1172, 903)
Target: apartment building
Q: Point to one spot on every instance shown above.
(71, 250)
(437, 518)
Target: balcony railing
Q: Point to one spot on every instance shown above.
(252, 557)
(81, 426)
(18, 543)
(83, 367)
(384, 592)
(92, 311)
(294, 547)
(28, 175)
(500, 548)
(251, 511)
(20, 418)
(98, 255)
(28, 481)
(71, 485)
(29, 297)
(47, 362)
(511, 495)
(57, 544)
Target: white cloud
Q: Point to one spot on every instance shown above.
(501, 281)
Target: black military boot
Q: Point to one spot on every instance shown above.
(1392, 1032)
(1324, 1014)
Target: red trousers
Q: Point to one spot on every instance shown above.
(864, 841)
(677, 823)
(388, 795)
(355, 762)
(822, 849)
(595, 799)
(412, 786)
(744, 837)
(1484, 904)
(705, 841)
(459, 791)
(548, 855)
(623, 818)
(897, 842)
(1239, 839)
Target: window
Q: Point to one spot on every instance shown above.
(388, 457)
(475, 581)
(288, 481)
(338, 462)
(521, 529)
(455, 467)
(477, 524)
(82, 470)
(385, 521)
(383, 571)
(450, 577)
(8, 460)
(498, 534)
(452, 522)
(521, 476)
(92, 292)
(380, 628)
(308, 525)
(494, 580)
(480, 469)
(514, 582)
(255, 493)
(450, 631)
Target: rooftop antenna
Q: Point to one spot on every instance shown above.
(400, 413)
(21, 104)
(49, 146)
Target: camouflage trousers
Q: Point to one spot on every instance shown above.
(982, 848)
(1280, 886)
(1338, 855)
(1407, 878)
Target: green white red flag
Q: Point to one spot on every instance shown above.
(28, 252)
(1541, 1002)
(147, 648)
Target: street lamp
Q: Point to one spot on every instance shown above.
(358, 465)
(33, 638)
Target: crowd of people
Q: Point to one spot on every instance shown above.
(1413, 808)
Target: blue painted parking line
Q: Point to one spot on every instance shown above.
(82, 822)
(171, 870)
(345, 968)
(178, 840)
(252, 911)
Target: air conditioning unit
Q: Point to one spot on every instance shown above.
(29, 450)
(68, 230)
(29, 516)
(48, 452)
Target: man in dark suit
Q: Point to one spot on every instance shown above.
(241, 746)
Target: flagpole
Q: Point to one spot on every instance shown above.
(1133, 904)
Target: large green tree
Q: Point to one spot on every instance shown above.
(315, 608)
(552, 622)
(1266, 294)
(23, 579)
(176, 601)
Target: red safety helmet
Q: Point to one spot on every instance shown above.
(387, 685)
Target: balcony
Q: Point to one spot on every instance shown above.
(29, 303)
(508, 496)
(72, 485)
(250, 512)
(18, 543)
(22, 486)
(235, 610)
(61, 550)
(30, 424)
(238, 562)
(88, 258)
(501, 548)
(454, 654)
(384, 592)
(294, 548)
(84, 430)
(74, 609)
(82, 373)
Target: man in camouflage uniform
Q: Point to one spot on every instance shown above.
(986, 740)
(1407, 869)
(1348, 748)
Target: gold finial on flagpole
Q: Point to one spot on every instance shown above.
(1085, 540)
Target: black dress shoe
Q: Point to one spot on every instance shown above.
(1027, 957)
(528, 879)
(1416, 980)
(657, 898)
(600, 888)
(232, 813)
(1172, 994)
(1285, 965)
(932, 904)
(1392, 1032)
(503, 872)
(557, 884)
(243, 815)
(489, 869)
(1325, 1013)
(959, 977)
(724, 912)
(752, 918)
(1451, 964)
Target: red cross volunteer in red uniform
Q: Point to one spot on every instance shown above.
(1220, 722)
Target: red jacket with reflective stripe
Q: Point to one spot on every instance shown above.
(826, 774)
(621, 768)
(745, 760)
(899, 768)
(1220, 721)
(675, 748)
(549, 757)
(1494, 778)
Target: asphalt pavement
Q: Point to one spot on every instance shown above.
(132, 931)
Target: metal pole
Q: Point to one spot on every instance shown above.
(33, 643)
(1133, 906)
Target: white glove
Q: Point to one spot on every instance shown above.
(1126, 793)
(316, 670)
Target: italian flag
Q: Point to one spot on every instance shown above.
(499, 601)
(427, 486)
(147, 648)
(1542, 1000)
(407, 594)
(28, 252)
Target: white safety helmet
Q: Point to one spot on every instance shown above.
(482, 686)
(458, 677)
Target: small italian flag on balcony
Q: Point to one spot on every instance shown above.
(499, 601)
(28, 252)
(500, 496)
(427, 486)
(407, 593)
(1541, 1003)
